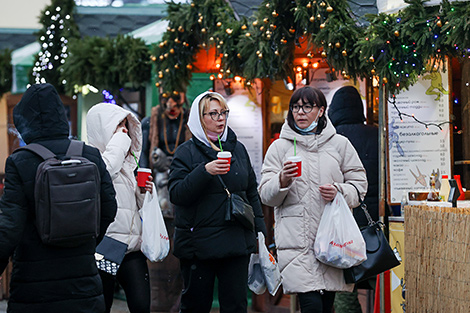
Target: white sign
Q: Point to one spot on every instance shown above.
(417, 151)
(246, 120)
(320, 79)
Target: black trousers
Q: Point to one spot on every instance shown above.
(316, 301)
(133, 276)
(199, 277)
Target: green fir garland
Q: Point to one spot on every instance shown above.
(396, 47)
(5, 71)
(105, 63)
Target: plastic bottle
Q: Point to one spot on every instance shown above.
(445, 188)
(459, 184)
(404, 202)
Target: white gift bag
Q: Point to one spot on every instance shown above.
(339, 242)
(155, 242)
(272, 275)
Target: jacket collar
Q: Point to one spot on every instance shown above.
(310, 142)
(228, 145)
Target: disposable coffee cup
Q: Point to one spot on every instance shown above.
(225, 155)
(298, 161)
(142, 176)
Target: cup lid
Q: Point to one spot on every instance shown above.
(224, 154)
(146, 170)
(295, 158)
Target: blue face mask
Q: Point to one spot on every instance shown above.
(311, 127)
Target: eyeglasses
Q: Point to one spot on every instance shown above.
(307, 108)
(216, 115)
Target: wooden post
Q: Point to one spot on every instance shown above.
(383, 97)
(465, 104)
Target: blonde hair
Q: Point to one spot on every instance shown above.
(204, 105)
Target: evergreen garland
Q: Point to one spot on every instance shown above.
(191, 27)
(396, 47)
(105, 63)
(58, 28)
(5, 71)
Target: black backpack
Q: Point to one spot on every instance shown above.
(67, 196)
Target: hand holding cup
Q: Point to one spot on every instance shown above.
(220, 166)
(289, 171)
(144, 180)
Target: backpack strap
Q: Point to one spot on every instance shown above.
(38, 149)
(75, 148)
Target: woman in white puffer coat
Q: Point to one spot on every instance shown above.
(330, 164)
(117, 133)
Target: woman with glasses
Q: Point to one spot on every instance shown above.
(208, 245)
(330, 164)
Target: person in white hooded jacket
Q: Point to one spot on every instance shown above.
(117, 134)
(330, 165)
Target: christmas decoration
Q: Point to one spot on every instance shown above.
(105, 63)
(58, 29)
(5, 71)
(396, 47)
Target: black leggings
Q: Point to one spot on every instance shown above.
(133, 276)
(315, 302)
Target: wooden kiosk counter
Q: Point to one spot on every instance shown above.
(437, 249)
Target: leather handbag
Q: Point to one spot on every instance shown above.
(240, 209)
(380, 256)
(109, 255)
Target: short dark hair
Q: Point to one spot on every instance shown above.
(308, 95)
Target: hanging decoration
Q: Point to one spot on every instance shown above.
(5, 71)
(394, 47)
(58, 28)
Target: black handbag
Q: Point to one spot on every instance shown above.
(237, 207)
(109, 255)
(380, 256)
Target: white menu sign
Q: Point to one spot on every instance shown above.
(417, 151)
(246, 120)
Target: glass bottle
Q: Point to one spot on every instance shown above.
(433, 194)
(404, 202)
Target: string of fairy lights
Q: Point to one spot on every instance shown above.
(47, 61)
(412, 116)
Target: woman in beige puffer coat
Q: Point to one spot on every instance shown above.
(330, 164)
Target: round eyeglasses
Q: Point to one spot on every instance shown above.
(216, 115)
(307, 108)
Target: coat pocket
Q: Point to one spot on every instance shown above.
(290, 232)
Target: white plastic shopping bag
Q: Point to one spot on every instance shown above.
(256, 281)
(269, 266)
(339, 242)
(155, 242)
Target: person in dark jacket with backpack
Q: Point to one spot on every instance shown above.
(208, 245)
(346, 112)
(47, 278)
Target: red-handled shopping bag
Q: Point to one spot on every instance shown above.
(339, 242)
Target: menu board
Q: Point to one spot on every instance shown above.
(245, 119)
(416, 151)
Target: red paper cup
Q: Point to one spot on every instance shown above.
(142, 176)
(225, 155)
(298, 161)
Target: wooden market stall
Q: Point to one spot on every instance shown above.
(437, 246)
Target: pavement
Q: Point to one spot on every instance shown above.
(119, 306)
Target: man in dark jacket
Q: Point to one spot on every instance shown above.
(346, 112)
(47, 278)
